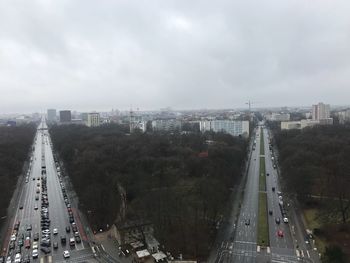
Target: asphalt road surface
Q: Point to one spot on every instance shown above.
(243, 247)
(29, 208)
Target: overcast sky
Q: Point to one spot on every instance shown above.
(99, 55)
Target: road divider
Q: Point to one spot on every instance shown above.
(263, 224)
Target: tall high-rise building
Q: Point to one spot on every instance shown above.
(320, 111)
(93, 119)
(51, 115)
(65, 116)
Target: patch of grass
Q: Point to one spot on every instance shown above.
(262, 175)
(310, 216)
(262, 144)
(263, 225)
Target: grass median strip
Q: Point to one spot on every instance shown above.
(263, 224)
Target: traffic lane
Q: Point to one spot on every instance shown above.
(273, 199)
(58, 214)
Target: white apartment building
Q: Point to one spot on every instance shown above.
(320, 111)
(290, 125)
(93, 119)
(166, 125)
(278, 117)
(235, 128)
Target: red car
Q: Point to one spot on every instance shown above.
(280, 233)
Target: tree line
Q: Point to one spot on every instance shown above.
(15, 144)
(166, 178)
(315, 166)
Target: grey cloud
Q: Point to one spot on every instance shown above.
(184, 54)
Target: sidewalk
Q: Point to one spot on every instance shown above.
(110, 246)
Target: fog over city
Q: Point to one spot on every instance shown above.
(96, 55)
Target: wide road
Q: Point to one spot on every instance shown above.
(243, 247)
(29, 207)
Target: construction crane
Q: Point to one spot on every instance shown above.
(250, 103)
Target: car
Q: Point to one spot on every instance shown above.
(29, 227)
(285, 219)
(46, 231)
(18, 258)
(66, 254)
(280, 233)
(55, 231)
(46, 250)
(35, 245)
(55, 245)
(13, 238)
(33, 179)
(267, 174)
(8, 260)
(273, 189)
(78, 239)
(21, 207)
(35, 207)
(12, 245)
(67, 229)
(270, 212)
(20, 242)
(247, 222)
(71, 241)
(63, 240)
(277, 220)
(36, 197)
(36, 236)
(2, 259)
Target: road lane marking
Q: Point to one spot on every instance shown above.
(307, 252)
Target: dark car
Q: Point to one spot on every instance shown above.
(247, 222)
(77, 239)
(63, 240)
(45, 243)
(36, 236)
(12, 245)
(267, 174)
(46, 250)
(270, 212)
(277, 220)
(273, 189)
(67, 229)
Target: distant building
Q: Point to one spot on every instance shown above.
(65, 116)
(93, 119)
(278, 117)
(290, 125)
(166, 125)
(84, 116)
(51, 115)
(320, 111)
(344, 116)
(233, 127)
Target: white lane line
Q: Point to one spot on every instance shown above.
(103, 248)
(307, 252)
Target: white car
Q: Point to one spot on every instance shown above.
(35, 245)
(35, 253)
(285, 220)
(66, 254)
(45, 232)
(8, 260)
(13, 238)
(55, 231)
(18, 258)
